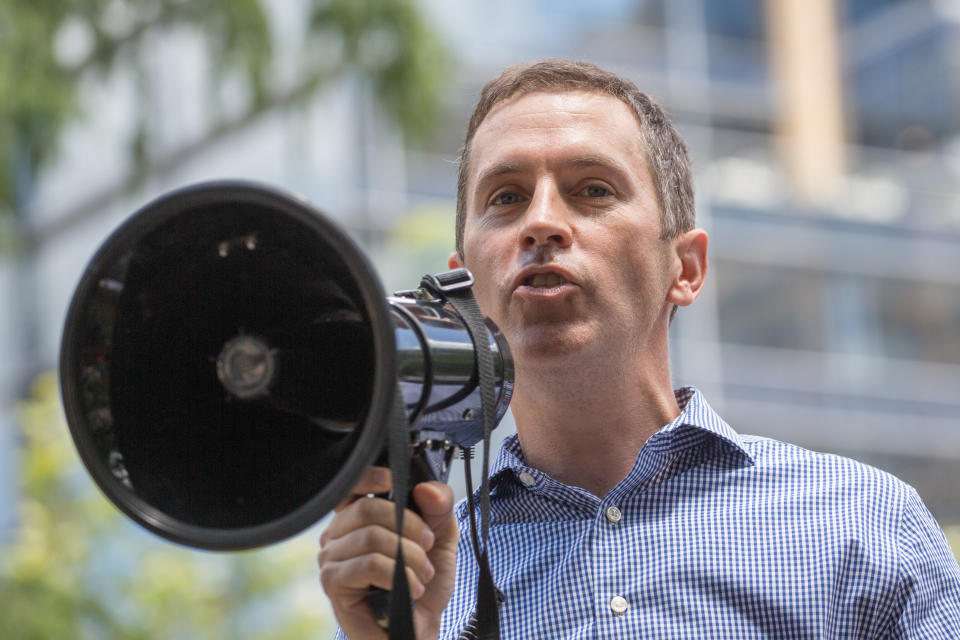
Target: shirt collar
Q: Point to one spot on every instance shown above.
(696, 417)
(696, 420)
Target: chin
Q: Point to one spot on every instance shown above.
(548, 341)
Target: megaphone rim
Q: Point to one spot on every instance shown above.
(372, 437)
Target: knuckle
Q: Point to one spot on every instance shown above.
(373, 564)
(365, 508)
(328, 578)
(412, 526)
(370, 538)
(413, 551)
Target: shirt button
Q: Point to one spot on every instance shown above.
(618, 605)
(527, 479)
(613, 515)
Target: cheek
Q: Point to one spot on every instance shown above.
(640, 269)
(487, 306)
(481, 265)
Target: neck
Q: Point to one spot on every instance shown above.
(583, 421)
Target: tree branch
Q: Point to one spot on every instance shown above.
(161, 166)
(168, 12)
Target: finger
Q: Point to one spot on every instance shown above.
(374, 480)
(377, 512)
(435, 501)
(351, 579)
(381, 541)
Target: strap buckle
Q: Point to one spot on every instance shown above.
(444, 283)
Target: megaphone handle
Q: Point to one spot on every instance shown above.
(378, 598)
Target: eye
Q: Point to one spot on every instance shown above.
(595, 191)
(506, 199)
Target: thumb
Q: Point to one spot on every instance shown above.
(435, 501)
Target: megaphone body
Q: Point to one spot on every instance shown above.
(229, 364)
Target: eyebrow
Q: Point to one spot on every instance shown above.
(621, 175)
(596, 161)
(497, 170)
(581, 162)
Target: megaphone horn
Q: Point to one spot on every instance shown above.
(229, 360)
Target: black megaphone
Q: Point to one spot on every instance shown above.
(229, 363)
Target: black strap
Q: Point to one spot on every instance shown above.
(486, 614)
(401, 606)
(454, 286)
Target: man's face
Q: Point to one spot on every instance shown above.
(563, 226)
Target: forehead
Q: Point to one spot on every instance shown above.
(558, 121)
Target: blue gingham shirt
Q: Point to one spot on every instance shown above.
(719, 535)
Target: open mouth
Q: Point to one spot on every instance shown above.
(544, 280)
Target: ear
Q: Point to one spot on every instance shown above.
(454, 261)
(690, 267)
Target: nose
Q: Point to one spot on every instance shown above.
(546, 220)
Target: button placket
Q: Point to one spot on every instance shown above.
(615, 605)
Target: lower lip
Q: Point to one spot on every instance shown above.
(544, 293)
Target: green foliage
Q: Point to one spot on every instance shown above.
(39, 92)
(78, 569)
(239, 37)
(386, 41)
(36, 95)
(390, 42)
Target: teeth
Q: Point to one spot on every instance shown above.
(545, 280)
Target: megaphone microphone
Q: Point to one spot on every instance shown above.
(229, 363)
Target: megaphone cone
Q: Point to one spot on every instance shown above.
(229, 360)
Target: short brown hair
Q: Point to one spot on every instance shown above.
(666, 151)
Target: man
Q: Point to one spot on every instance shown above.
(624, 509)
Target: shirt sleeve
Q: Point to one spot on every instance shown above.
(929, 577)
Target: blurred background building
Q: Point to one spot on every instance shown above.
(826, 140)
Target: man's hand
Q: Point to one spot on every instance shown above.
(359, 549)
